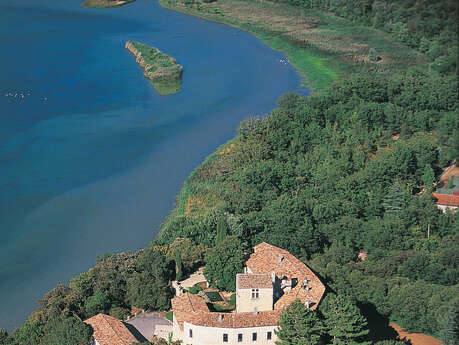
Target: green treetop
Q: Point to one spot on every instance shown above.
(428, 178)
(299, 326)
(224, 261)
(346, 325)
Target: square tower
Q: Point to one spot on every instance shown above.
(254, 293)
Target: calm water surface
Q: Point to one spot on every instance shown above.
(91, 157)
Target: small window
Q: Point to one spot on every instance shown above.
(239, 338)
(255, 293)
(191, 333)
(225, 337)
(254, 336)
(269, 335)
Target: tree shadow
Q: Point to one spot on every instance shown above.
(379, 325)
(134, 332)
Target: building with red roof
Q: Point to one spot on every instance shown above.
(273, 279)
(446, 201)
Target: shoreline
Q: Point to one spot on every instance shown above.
(320, 46)
(258, 35)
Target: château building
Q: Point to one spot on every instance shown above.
(272, 279)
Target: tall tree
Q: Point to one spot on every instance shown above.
(68, 331)
(393, 201)
(344, 322)
(222, 230)
(449, 329)
(224, 261)
(428, 178)
(299, 326)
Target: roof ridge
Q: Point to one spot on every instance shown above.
(191, 303)
(114, 331)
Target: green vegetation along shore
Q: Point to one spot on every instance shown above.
(342, 179)
(105, 3)
(163, 70)
(320, 45)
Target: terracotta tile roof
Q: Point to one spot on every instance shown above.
(110, 331)
(268, 258)
(235, 320)
(265, 260)
(189, 302)
(446, 199)
(187, 305)
(253, 281)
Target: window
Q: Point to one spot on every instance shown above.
(269, 335)
(225, 337)
(239, 338)
(255, 293)
(254, 336)
(191, 333)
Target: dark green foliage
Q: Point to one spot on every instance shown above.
(222, 231)
(299, 326)
(340, 172)
(178, 266)
(345, 324)
(148, 287)
(449, 329)
(324, 177)
(393, 200)
(154, 263)
(429, 26)
(428, 178)
(119, 312)
(69, 331)
(224, 261)
(28, 333)
(146, 292)
(191, 255)
(97, 303)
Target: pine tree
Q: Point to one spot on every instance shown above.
(393, 201)
(178, 265)
(299, 326)
(221, 230)
(428, 178)
(345, 324)
(449, 329)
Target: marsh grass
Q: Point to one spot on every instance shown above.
(162, 69)
(319, 45)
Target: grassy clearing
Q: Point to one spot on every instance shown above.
(105, 3)
(163, 70)
(319, 45)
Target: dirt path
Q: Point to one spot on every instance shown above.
(416, 338)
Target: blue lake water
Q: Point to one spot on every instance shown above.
(91, 158)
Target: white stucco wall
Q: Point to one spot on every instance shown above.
(245, 302)
(177, 331)
(214, 336)
(444, 208)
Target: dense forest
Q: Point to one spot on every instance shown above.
(349, 170)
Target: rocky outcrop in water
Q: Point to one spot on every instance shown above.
(162, 69)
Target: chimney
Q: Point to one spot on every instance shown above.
(220, 318)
